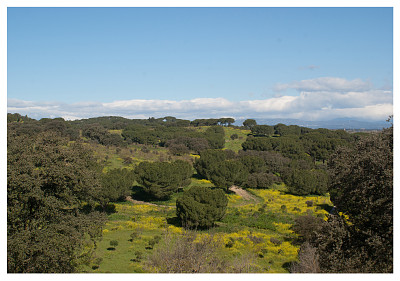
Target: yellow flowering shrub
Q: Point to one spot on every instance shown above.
(296, 205)
(174, 229)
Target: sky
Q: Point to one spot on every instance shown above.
(302, 63)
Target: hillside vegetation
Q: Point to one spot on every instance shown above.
(117, 195)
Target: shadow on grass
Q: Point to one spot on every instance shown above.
(138, 193)
(287, 266)
(174, 221)
(325, 207)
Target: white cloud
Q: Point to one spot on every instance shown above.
(318, 99)
(326, 84)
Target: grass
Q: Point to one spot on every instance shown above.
(247, 228)
(236, 144)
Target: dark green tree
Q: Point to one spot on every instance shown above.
(48, 180)
(215, 136)
(206, 163)
(249, 123)
(161, 179)
(362, 188)
(200, 207)
(262, 130)
(115, 185)
(227, 173)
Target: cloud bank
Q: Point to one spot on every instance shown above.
(318, 99)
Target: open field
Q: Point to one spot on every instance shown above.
(259, 231)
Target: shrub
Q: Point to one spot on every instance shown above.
(310, 203)
(200, 207)
(275, 241)
(134, 235)
(113, 244)
(191, 253)
(154, 241)
(234, 136)
(138, 256)
(306, 226)
(308, 260)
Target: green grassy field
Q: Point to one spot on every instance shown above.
(248, 228)
(258, 228)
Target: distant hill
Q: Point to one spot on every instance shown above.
(339, 123)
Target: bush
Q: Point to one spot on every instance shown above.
(200, 207)
(261, 180)
(191, 253)
(275, 241)
(306, 226)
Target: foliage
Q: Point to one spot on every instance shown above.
(249, 123)
(308, 260)
(306, 226)
(48, 179)
(228, 173)
(262, 130)
(215, 136)
(362, 188)
(261, 180)
(161, 179)
(208, 158)
(182, 145)
(99, 134)
(303, 182)
(115, 184)
(200, 207)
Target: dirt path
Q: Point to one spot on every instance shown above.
(129, 198)
(244, 194)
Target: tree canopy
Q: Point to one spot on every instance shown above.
(200, 207)
(48, 180)
(161, 179)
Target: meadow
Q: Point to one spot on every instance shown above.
(259, 231)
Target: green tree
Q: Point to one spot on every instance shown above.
(48, 180)
(200, 207)
(262, 130)
(215, 136)
(205, 164)
(227, 173)
(304, 182)
(115, 185)
(362, 188)
(161, 179)
(249, 123)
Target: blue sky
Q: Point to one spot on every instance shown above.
(306, 63)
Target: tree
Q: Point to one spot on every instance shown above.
(362, 188)
(161, 179)
(249, 123)
(215, 136)
(227, 173)
(205, 164)
(115, 184)
(200, 207)
(48, 180)
(304, 182)
(262, 130)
